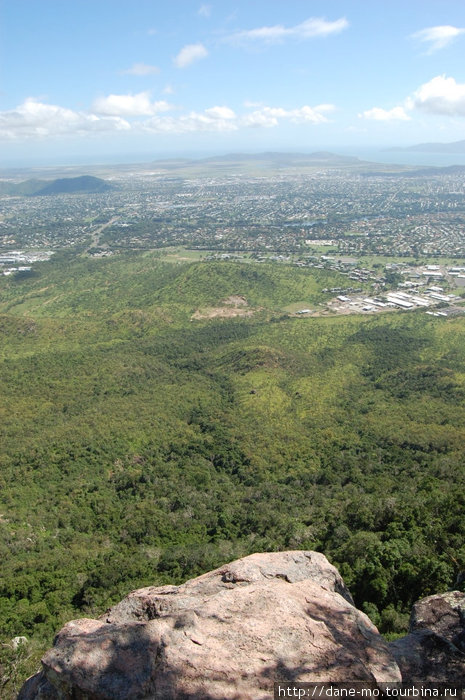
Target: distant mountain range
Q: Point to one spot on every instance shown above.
(452, 147)
(84, 184)
(268, 159)
(230, 164)
(286, 158)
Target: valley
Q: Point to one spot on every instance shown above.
(167, 409)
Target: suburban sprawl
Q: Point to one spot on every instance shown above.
(396, 234)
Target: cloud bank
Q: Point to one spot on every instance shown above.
(35, 120)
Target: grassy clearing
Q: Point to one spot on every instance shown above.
(181, 254)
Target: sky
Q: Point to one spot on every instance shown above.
(119, 79)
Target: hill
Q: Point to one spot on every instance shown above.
(84, 184)
(286, 159)
(254, 164)
(257, 163)
(75, 185)
(142, 444)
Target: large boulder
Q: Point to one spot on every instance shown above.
(228, 634)
(434, 649)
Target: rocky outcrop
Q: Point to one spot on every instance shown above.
(228, 634)
(434, 649)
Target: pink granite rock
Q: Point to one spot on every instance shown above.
(228, 634)
(434, 651)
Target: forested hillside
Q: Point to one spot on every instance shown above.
(142, 445)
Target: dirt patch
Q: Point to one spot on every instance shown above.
(236, 300)
(221, 312)
(234, 305)
(176, 258)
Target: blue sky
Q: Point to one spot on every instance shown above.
(91, 78)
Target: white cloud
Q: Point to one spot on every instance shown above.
(440, 95)
(37, 120)
(220, 113)
(168, 89)
(222, 118)
(310, 28)
(205, 11)
(138, 105)
(141, 69)
(219, 119)
(265, 117)
(189, 54)
(271, 116)
(385, 115)
(438, 37)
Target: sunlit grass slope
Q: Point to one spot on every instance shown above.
(66, 286)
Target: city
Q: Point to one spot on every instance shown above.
(384, 229)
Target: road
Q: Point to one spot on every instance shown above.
(95, 235)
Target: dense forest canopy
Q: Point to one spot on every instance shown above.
(143, 445)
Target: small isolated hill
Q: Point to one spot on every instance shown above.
(74, 185)
(84, 184)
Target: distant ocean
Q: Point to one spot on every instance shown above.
(403, 157)
(375, 155)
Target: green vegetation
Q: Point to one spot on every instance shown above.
(140, 446)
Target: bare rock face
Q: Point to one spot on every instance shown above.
(434, 650)
(226, 635)
(444, 615)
